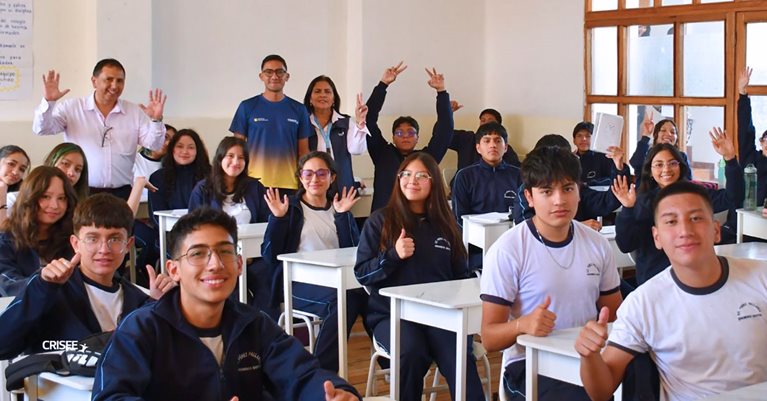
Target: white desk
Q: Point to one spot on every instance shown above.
(621, 259)
(329, 268)
(449, 305)
(755, 392)
(166, 219)
(553, 356)
(745, 250)
(751, 222)
(53, 387)
(482, 234)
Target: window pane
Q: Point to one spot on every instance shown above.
(756, 57)
(602, 5)
(604, 61)
(703, 158)
(635, 118)
(675, 2)
(704, 59)
(651, 60)
(639, 3)
(609, 108)
(759, 115)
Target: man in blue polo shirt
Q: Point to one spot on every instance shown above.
(275, 127)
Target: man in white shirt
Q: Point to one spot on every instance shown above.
(105, 126)
(701, 319)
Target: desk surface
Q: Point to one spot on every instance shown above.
(560, 342)
(171, 213)
(329, 257)
(253, 230)
(756, 392)
(453, 294)
(76, 382)
(745, 250)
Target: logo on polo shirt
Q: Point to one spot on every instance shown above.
(293, 120)
(260, 120)
(442, 243)
(592, 270)
(248, 361)
(748, 310)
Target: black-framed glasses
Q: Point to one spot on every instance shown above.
(200, 255)
(669, 164)
(114, 244)
(409, 133)
(419, 175)
(321, 174)
(104, 135)
(270, 73)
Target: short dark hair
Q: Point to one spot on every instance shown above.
(405, 119)
(583, 126)
(490, 129)
(549, 164)
(678, 188)
(552, 140)
(274, 57)
(103, 210)
(107, 62)
(194, 220)
(494, 113)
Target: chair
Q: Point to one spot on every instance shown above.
(380, 352)
(501, 387)
(312, 323)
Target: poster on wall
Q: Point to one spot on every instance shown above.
(16, 64)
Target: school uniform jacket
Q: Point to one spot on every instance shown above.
(341, 156)
(167, 199)
(16, 267)
(749, 153)
(376, 268)
(464, 144)
(598, 169)
(254, 199)
(48, 311)
(633, 226)
(155, 354)
(283, 235)
(386, 158)
(482, 188)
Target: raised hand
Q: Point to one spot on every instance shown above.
(455, 105)
(155, 106)
(623, 191)
(59, 270)
(360, 112)
(159, 284)
(272, 198)
(647, 124)
(616, 154)
(51, 90)
(539, 322)
(436, 81)
(346, 201)
(722, 143)
(593, 336)
(404, 246)
(743, 80)
(390, 74)
(337, 394)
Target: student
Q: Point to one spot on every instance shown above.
(70, 158)
(748, 151)
(597, 168)
(236, 353)
(665, 165)
(700, 319)
(334, 132)
(548, 273)
(14, 163)
(464, 143)
(314, 220)
(182, 168)
(36, 231)
(148, 161)
(663, 132)
(388, 157)
(414, 240)
(70, 299)
(228, 186)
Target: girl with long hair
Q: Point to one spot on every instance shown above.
(413, 240)
(38, 228)
(664, 131)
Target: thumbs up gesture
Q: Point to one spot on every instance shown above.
(593, 336)
(539, 322)
(404, 246)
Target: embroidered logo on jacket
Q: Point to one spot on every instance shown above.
(441, 243)
(293, 120)
(248, 361)
(260, 120)
(748, 310)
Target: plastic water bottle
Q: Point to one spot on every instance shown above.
(749, 175)
(721, 179)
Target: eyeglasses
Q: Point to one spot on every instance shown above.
(420, 176)
(669, 164)
(321, 174)
(405, 133)
(270, 73)
(114, 244)
(200, 255)
(104, 135)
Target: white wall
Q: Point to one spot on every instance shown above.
(523, 58)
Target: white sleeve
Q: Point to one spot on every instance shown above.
(49, 119)
(151, 133)
(500, 274)
(355, 138)
(627, 332)
(610, 278)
